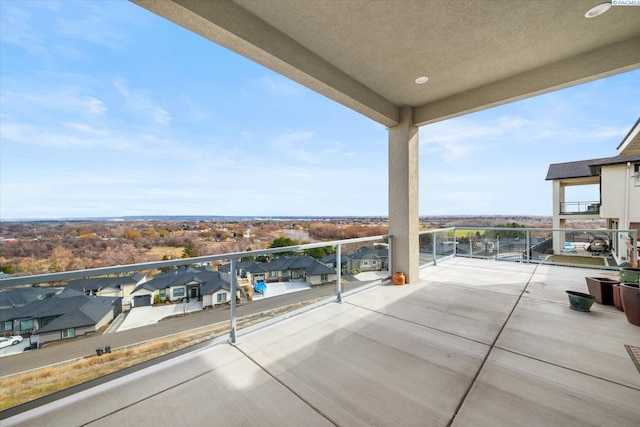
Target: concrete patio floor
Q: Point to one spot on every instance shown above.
(475, 343)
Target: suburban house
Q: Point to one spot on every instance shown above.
(109, 287)
(368, 259)
(618, 178)
(211, 287)
(284, 269)
(67, 314)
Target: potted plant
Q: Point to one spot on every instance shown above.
(630, 296)
(580, 301)
(601, 288)
(630, 275)
(617, 301)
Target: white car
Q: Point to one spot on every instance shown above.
(7, 341)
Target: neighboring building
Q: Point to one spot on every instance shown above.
(211, 287)
(68, 314)
(284, 269)
(109, 287)
(618, 178)
(368, 259)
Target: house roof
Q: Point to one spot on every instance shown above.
(476, 54)
(16, 297)
(369, 253)
(631, 142)
(81, 311)
(181, 278)
(585, 168)
(71, 308)
(104, 282)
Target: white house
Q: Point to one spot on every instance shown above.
(618, 178)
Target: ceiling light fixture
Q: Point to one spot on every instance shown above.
(422, 80)
(597, 10)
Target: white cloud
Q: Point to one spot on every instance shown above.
(140, 102)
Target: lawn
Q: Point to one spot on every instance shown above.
(576, 259)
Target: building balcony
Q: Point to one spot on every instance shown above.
(474, 342)
(580, 208)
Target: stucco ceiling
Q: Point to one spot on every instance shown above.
(367, 54)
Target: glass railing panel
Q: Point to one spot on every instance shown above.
(284, 283)
(598, 248)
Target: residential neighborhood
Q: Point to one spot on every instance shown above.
(87, 306)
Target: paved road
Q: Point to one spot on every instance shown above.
(85, 346)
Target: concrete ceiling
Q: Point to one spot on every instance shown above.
(367, 54)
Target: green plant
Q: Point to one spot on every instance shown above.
(157, 299)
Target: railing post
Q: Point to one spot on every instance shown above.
(232, 326)
(390, 256)
(455, 243)
(527, 245)
(433, 244)
(338, 274)
(470, 249)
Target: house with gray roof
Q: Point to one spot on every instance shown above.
(109, 286)
(284, 269)
(618, 180)
(67, 314)
(368, 259)
(210, 287)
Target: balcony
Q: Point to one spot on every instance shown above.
(580, 208)
(474, 342)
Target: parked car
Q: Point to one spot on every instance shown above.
(598, 245)
(7, 341)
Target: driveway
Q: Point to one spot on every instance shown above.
(144, 316)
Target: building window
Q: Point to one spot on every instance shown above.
(324, 277)
(222, 297)
(69, 333)
(6, 326)
(636, 174)
(26, 325)
(365, 263)
(374, 262)
(272, 274)
(178, 292)
(163, 293)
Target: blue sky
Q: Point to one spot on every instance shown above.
(109, 110)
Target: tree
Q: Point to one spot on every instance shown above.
(132, 234)
(282, 242)
(248, 258)
(60, 259)
(190, 250)
(318, 253)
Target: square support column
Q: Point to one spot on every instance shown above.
(403, 195)
(558, 200)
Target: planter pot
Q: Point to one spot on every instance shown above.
(630, 295)
(398, 278)
(617, 301)
(580, 301)
(601, 288)
(630, 275)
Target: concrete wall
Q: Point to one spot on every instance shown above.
(615, 184)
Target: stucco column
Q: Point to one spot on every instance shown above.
(403, 195)
(558, 200)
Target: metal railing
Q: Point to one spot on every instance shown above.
(596, 248)
(231, 258)
(579, 208)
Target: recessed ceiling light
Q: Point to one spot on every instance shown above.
(597, 10)
(422, 80)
